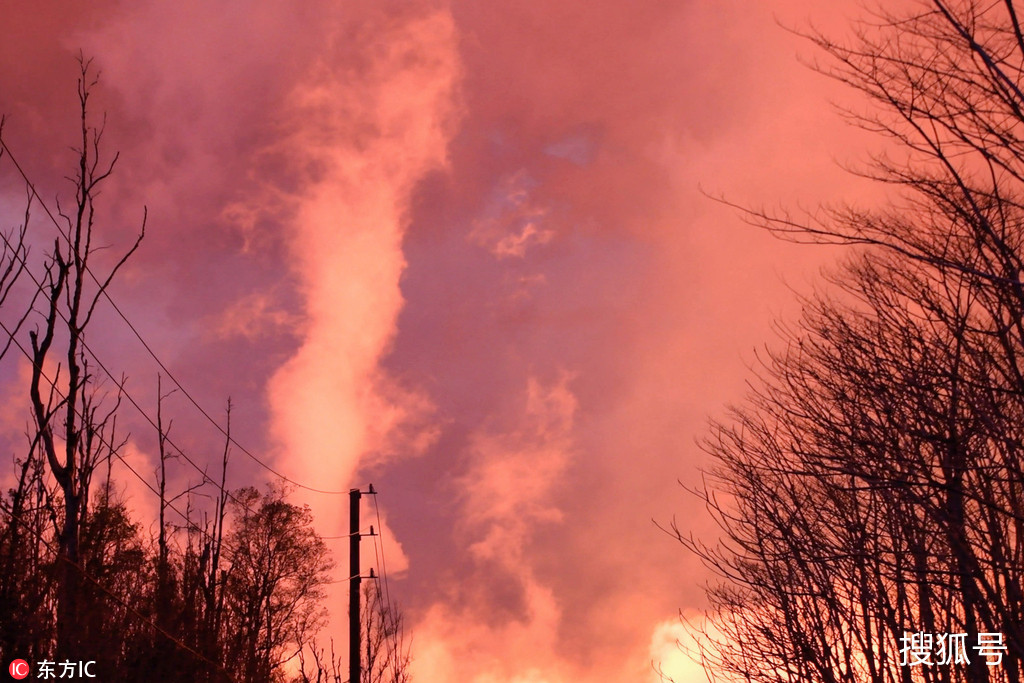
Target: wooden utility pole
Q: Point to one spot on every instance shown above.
(354, 580)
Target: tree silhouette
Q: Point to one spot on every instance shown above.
(872, 486)
(386, 656)
(73, 427)
(274, 583)
(229, 590)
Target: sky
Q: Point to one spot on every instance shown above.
(464, 251)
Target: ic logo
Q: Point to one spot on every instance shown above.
(19, 669)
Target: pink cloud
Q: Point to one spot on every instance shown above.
(370, 139)
(464, 232)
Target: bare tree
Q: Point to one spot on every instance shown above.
(386, 657)
(21, 591)
(872, 486)
(13, 261)
(26, 583)
(23, 588)
(74, 429)
(233, 593)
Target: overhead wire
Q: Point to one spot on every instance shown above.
(115, 451)
(123, 391)
(106, 295)
(127, 394)
(383, 561)
(108, 444)
(397, 635)
(382, 610)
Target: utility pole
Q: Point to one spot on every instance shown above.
(354, 581)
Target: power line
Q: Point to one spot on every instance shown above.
(122, 389)
(383, 561)
(114, 451)
(397, 644)
(390, 637)
(109, 445)
(149, 350)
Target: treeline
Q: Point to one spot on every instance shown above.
(870, 491)
(232, 606)
(223, 586)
